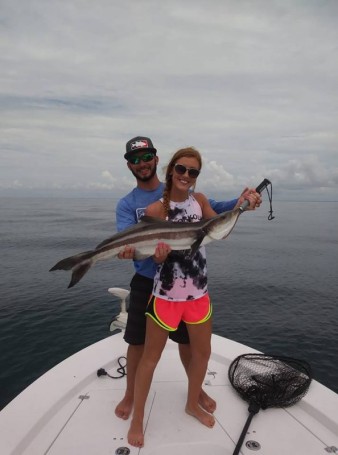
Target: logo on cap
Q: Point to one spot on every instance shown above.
(139, 144)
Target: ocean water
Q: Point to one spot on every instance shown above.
(273, 284)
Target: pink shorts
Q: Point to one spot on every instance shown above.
(168, 314)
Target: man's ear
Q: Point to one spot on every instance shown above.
(128, 164)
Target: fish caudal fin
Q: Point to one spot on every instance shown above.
(79, 263)
(79, 272)
(72, 261)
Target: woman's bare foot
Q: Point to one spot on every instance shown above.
(207, 403)
(135, 433)
(124, 408)
(204, 417)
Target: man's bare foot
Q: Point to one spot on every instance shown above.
(124, 408)
(206, 402)
(135, 433)
(201, 415)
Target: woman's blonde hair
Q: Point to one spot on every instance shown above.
(188, 152)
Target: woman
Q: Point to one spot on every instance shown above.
(179, 293)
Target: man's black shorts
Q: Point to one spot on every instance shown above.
(140, 291)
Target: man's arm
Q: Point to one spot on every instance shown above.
(222, 206)
(125, 217)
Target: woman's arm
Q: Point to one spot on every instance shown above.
(155, 209)
(207, 210)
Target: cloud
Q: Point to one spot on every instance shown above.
(251, 84)
(307, 174)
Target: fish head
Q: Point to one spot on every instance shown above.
(221, 225)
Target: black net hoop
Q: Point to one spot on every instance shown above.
(270, 380)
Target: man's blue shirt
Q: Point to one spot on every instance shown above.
(131, 208)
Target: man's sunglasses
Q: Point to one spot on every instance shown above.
(136, 159)
(192, 172)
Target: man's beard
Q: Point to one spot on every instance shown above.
(145, 179)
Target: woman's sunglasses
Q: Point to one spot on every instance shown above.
(181, 170)
(146, 157)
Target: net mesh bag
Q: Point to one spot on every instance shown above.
(270, 381)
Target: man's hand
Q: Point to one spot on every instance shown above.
(127, 253)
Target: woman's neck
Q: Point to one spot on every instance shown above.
(178, 195)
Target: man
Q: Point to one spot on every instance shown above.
(142, 161)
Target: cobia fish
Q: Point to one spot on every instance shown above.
(144, 237)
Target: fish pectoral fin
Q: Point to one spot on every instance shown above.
(197, 243)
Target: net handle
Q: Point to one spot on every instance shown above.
(253, 409)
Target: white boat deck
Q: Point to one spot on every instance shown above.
(70, 411)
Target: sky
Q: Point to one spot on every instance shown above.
(252, 84)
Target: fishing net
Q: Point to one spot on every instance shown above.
(268, 381)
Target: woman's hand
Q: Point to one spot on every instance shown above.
(161, 252)
(251, 195)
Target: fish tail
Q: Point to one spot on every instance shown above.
(79, 263)
(72, 261)
(79, 272)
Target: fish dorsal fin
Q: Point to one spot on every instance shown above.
(152, 219)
